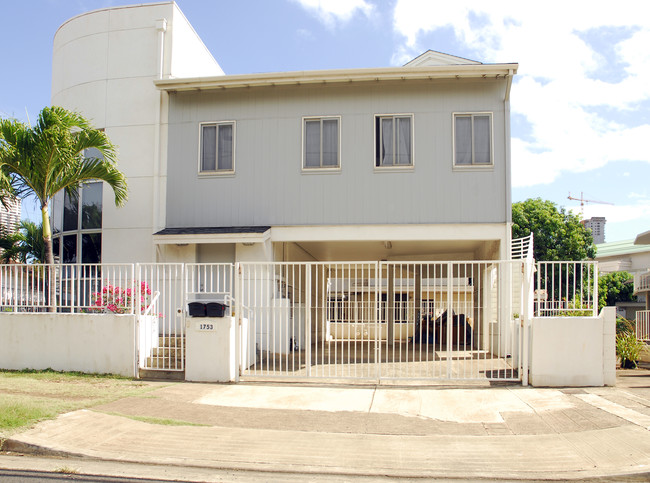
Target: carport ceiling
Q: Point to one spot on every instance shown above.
(399, 250)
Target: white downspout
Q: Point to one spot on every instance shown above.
(161, 27)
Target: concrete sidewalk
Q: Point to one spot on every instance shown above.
(506, 432)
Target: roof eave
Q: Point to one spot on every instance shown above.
(643, 238)
(338, 76)
(197, 239)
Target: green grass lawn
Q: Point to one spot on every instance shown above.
(27, 397)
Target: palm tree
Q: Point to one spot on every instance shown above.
(10, 245)
(50, 157)
(25, 245)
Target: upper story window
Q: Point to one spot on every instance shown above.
(321, 143)
(473, 139)
(217, 148)
(394, 140)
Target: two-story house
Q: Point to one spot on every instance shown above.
(397, 163)
(384, 167)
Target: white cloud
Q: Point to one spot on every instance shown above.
(330, 12)
(555, 89)
(639, 211)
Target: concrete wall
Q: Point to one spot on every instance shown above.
(93, 343)
(104, 63)
(269, 186)
(574, 351)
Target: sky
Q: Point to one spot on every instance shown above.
(580, 103)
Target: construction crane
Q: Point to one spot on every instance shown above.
(582, 201)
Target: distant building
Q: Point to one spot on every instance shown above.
(597, 226)
(628, 256)
(10, 215)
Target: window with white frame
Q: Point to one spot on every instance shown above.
(321, 143)
(393, 140)
(217, 148)
(473, 139)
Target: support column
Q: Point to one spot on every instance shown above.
(390, 304)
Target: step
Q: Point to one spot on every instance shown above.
(163, 363)
(171, 341)
(168, 352)
(161, 375)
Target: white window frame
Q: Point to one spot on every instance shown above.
(394, 167)
(217, 171)
(473, 165)
(321, 168)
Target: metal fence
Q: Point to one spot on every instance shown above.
(160, 300)
(335, 320)
(642, 325)
(88, 288)
(566, 289)
(383, 320)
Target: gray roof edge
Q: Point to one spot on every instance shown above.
(212, 230)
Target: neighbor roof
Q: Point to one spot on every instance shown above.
(643, 238)
(613, 249)
(432, 57)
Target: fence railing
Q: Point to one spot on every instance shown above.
(642, 325)
(522, 248)
(80, 288)
(566, 289)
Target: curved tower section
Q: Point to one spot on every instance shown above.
(104, 66)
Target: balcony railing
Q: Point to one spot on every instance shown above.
(643, 325)
(642, 282)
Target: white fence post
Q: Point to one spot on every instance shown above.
(308, 320)
(595, 307)
(236, 279)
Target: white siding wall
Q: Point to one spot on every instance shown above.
(268, 187)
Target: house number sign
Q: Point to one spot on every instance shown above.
(204, 326)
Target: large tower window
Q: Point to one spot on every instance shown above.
(76, 225)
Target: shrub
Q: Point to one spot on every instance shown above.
(624, 325)
(119, 301)
(628, 348)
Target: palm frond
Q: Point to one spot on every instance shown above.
(57, 153)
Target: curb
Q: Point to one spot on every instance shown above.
(13, 446)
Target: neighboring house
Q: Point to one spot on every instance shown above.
(396, 163)
(642, 290)
(627, 256)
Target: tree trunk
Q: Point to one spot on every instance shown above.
(47, 235)
(49, 259)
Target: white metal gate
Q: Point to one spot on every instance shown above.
(382, 320)
(159, 300)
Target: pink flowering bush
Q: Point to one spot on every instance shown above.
(117, 300)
